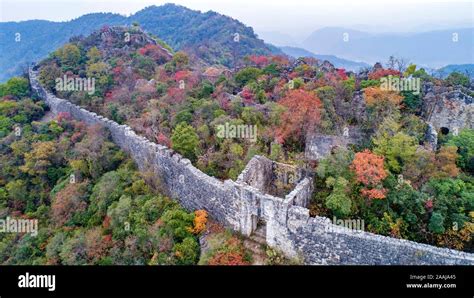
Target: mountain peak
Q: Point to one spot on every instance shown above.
(208, 36)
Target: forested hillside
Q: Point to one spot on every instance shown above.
(91, 203)
(209, 36)
(392, 178)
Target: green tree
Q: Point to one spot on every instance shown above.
(185, 140)
(369, 83)
(410, 204)
(180, 61)
(118, 213)
(410, 70)
(206, 90)
(246, 75)
(453, 199)
(3, 197)
(107, 190)
(184, 116)
(69, 55)
(457, 78)
(336, 164)
(93, 55)
(48, 75)
(17, 190)
(18, 87)
(465, 143)
(178, 224)
(53, 249)
(39, 159)
(98, 71)
(436, 223)
(338, 201)
(398, 150)
(421, 73)
(187, 252)
(411, 102)
(73, 251)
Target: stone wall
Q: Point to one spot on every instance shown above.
(321, 242)
(267, 175)
(241, 204)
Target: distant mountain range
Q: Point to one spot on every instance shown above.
(434, 48)
(210, 36)
(467, 69)
(336, 61)
(279, 39)
(29, 41)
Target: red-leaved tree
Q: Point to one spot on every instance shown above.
(369, 170)
(301, 116)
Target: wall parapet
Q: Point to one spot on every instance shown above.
(339, 245)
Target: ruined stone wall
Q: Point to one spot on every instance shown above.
(301, 195)
(316, 240)
(189, 186)
(239, 205)
(257, 173)
(265, 175)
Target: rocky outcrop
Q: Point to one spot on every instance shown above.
(318, 146)
(431, 137)
(448, 109)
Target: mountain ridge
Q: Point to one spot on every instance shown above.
(435, 48)
(208, 35)
(338, 62)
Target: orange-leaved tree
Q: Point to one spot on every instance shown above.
(230, 258)
(381, 104)
(301, 116)
(369, 170)
(375, 95)
(200, 220)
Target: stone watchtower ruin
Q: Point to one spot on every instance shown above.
(269, 189)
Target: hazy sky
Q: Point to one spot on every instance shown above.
(293, 17)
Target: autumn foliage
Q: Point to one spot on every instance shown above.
(369, 170)
(163, 140)
(446, 162)
(379, 73)
(302, 115)
(155, 52)
(67, 202)
(231, 253)
(258, 61)
(200, 220)
(228, 258)
(374, 95)
(374, 193)
(96, 244)
(181, 75)
(341, 72)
